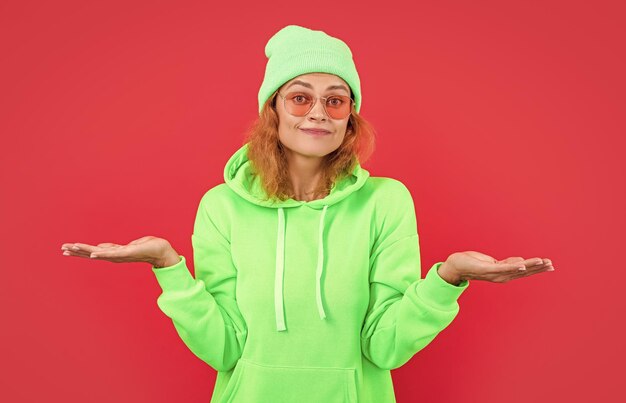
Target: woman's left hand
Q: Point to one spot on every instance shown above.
(471, 265)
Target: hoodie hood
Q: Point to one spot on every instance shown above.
(239, 177)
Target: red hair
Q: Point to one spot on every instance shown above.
(268, 160)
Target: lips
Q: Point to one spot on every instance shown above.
(315, 132)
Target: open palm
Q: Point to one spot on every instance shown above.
(148, 249)
(472, 265)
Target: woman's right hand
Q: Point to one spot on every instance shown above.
(156, 251)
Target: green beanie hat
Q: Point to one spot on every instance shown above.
(295, 50)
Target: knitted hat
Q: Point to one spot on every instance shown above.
(295, 50)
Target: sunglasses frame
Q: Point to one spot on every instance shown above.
(315, 99)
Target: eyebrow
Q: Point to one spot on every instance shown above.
(331, 87)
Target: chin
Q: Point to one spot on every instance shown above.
(312, 151)
(315, 153)
(311, 146)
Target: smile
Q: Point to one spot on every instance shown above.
(314, 132)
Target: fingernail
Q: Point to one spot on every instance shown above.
(550, 269)
(66, 253)
(93, 256)
(521, 268)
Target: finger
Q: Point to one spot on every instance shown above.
(91, 249)
(86, 250)
(537, 270)
(109, 245)
(76, 254)
(123, 254)
(532, 262)
(75, 250)
(84, 247)
(546, 262)
(68, 246)
(82, 252)
(535, 261)
(514, 259)
(105, 253)
(500, 268)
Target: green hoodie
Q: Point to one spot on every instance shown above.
(306, 301)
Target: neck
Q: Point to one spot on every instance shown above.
(305, 173)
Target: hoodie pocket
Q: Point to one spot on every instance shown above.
(252, 383)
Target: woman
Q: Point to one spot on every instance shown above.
(307, 284)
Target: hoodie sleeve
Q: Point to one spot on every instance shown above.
(405, 311)
(204, 310)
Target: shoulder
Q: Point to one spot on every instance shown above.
(215, 208)
(393, 212)
(217, 199)
(392, 202)
(216, 193)
(388, 191)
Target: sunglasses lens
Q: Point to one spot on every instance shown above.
(300, 103)
(338, 106)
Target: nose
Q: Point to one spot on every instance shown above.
(318, 112)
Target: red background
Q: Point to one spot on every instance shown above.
(504, 119)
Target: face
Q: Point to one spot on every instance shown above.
(290, 128)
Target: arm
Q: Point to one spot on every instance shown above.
(405, 312)
(204, 310)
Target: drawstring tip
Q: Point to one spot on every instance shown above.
(321, 311)
(280, 324)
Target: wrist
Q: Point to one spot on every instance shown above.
(449, 274)
(169, 258)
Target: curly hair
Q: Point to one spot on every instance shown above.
(268, 160)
